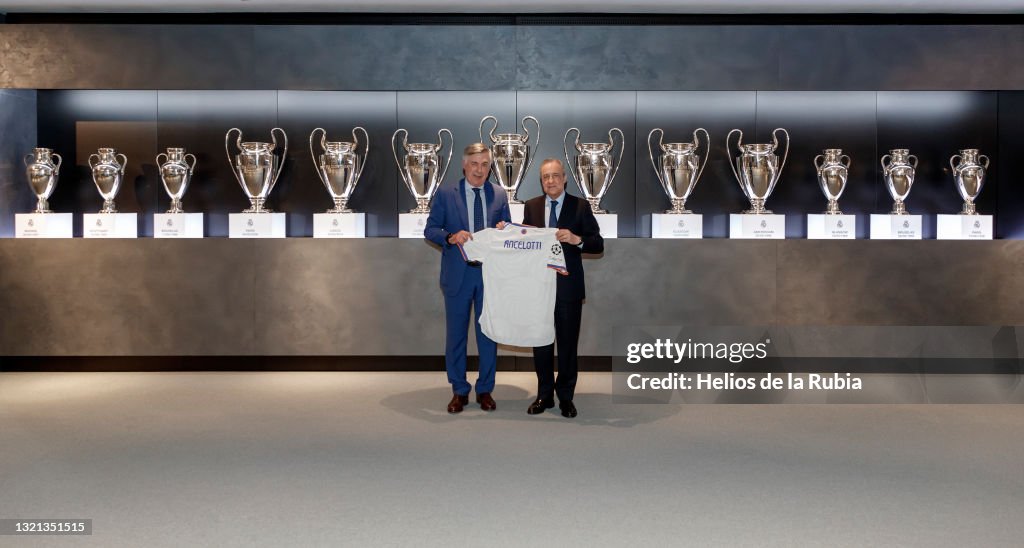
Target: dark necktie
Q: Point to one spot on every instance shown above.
(478, 211)
(553, 218)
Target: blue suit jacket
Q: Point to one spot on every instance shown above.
(449, 215)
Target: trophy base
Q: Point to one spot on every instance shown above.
(896, 227)
(969, 209)
(177, 225)
(339, 225)
(609, 223)
(518, 211)
(677, 225)
(964, 227)
(110, 225)
(43, 225)
(411, 225)
(257, 225)
(757, 226)
(831, 226)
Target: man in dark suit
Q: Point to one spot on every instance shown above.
(472, 204)
(579, 233)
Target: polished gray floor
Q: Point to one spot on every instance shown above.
(331, 459)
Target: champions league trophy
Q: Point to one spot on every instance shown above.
(176, 174)
(108, 174)
(42, 174)
(510, 155)
(898, 167)
(969, 176)
(679, 167)
(339, 166)
(420, 168)
(256, 167)
(757, 168)
(592, 166)
(833, 170)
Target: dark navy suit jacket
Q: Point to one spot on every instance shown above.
(449, 215)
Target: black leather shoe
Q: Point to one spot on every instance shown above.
(568, 409)
(457, 403)
(539, 405)
(486, 402)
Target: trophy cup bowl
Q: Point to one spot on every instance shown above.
(175, 174)
(833, 168)
(898, 168)
(42, 173)
(256, 167)
(757, 168)
(592, 167)
(969, 169)
(108, 174)
(510, 155)
(421, 166)
(679, 167)
(339, 166)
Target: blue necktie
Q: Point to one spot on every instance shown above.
(553, 218)
(478, 211)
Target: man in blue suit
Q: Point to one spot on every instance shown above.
(472, 204)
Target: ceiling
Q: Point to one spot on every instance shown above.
(520, 6)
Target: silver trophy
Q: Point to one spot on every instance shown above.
(42, 174)
(108, 174)
(757, 168)
(339, 166)
(679, 167)
(833, 169)
(175, 174)
(421, 167)
(256, 167)
(898, 167)
(969, 176)
(592, 166)
(510, 155)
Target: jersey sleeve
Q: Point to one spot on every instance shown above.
(556, 255)
(476, 248)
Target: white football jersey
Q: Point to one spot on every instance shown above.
(519, 269)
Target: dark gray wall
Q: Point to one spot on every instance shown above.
(17, 138)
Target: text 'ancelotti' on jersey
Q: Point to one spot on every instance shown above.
(522, 244)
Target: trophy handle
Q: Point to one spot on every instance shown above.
(534, 155)
(979, 157)
(27, 159)
(366, 149)
(650, 151)
(954, 161)
(565, 149)
(914, 158)
(817, 162)
(158, 162)
(89, 161)
(728, 152)
(227, 152)
(885, 163)
(60, 161)
(696, 146)
(622, 149)
(447, 162)
(312, 151)
(846, 163)
(776, 140)
(491, 132)
(124, 163)
(192, 166)
(394, 151)
(284, 154)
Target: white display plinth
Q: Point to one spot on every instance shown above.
(831, 227)
(110, 225)
(757, 226)
(517, 211)
(964, 227)
(177, 225)
(339, 225)
(677, 225)
(609, 223)
(256, 225)
(895, 227)
(411, 225)
(43, 225)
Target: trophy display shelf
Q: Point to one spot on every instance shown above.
(110, 225)
(339, 225)
(964, 227)
(43, 225)
(895, 227)
(256, 225)
(831, 226)
(411, 225)
(757, 226)
(177, 225)
(677, 225)
(517, 211)
(609, 223)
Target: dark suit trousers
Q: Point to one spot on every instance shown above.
(568, 315)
